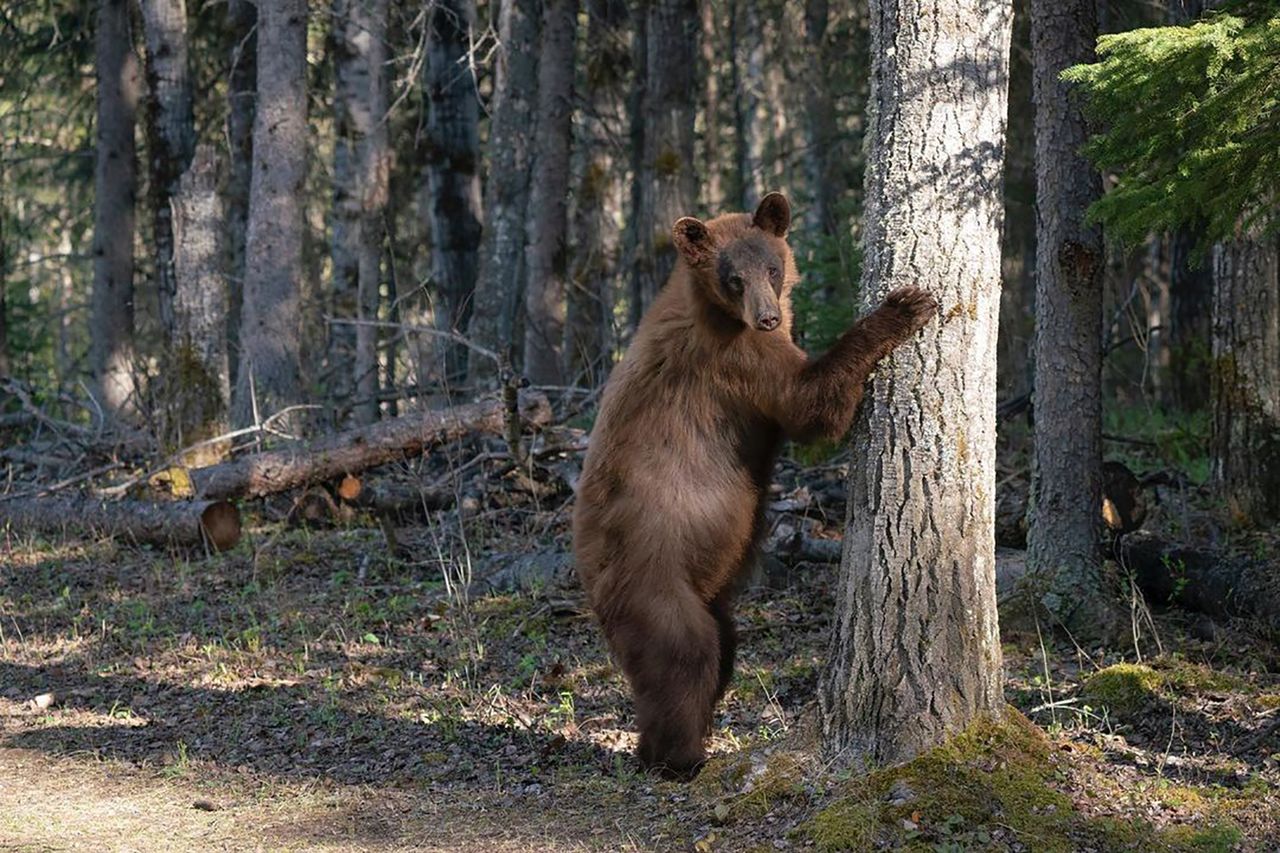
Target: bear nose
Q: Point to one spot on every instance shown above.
(767, 322)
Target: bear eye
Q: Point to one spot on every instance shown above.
(735, 282)
(773, 272)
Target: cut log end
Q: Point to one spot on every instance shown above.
(349, 488)
(220, 524)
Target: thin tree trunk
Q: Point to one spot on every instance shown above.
(269, 378)
(242, 82)
(916, 652)
(361, 158)
(203, 391)
(1066, 485)
(598, 196)
(713, 194)
(500, 282)
(453, 176)
(748, 91)
(171, 134)
(115, 189)
(666, 178)
(636, 260)
(1246, 377)
(546, 255)
(820, 123)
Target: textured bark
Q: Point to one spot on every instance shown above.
(453, 177)
(242, 82)
(666, 178)
(916, 652)
(361, 167)
(115, 188)
(1246, 377)
(748, 92)
(270, 334)
(212, 524)
(712, 192)
(202, 393)
(500, 282)
(820, 123)
(1066, 484)
(598, 195)
(546, 256)
(171, 133)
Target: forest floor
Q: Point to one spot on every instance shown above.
(302, 693)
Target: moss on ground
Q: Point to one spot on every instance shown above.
(1124, 688)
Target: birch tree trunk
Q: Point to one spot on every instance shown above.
(598, 195)
(546, 255)
(115, 188)
(666, 179)
(1064, 535)
(270, 334)
(242, 82)
(171, 133)
(1246, 377)
(361, 166)
(453, 177)
(199, 357)
(500, 281)
(915, 653)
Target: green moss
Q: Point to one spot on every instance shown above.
(1267, 701)
(668, 163)
(1215, 838)
(782, 779)
(847, 824)
(1122, 688)
(1196, 678)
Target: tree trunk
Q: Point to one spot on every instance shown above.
(666, 179)
(361, 165)
(1246, 377)
(713, 194)
(1064, 535)
(820, 124)
(453, 177)
(500, 283)
(916, 651)
(171, 134)
(598, 196)
(202, 395)
(211, 524)
(115, 188)
(546, 256)
(242, 82)
(748, 91)
(270, 335)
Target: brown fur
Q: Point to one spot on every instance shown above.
(672, 492)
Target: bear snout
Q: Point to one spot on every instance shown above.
(767, 322)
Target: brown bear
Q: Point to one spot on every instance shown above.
(670, 502)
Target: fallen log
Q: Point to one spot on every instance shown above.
(354, 450)
(213, 524)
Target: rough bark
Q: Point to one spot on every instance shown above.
(453, 177)
(115, 188)
(242, 82)
(500, 281)
(546, 253)
(354, 450)
(212, 524)
(598, 195)
(270, 333)
(1245, 455)
(748, 92)
(1064, 536)
(820, 123)
(361, 167)
(666, 178)
(171, 134)
(202, 393)
(915, 652)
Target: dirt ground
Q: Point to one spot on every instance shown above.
(310, 691)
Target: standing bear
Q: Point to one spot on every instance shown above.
(671, 499)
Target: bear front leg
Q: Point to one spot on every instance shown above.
(825, 394)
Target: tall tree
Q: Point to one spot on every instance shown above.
(747, 35)
(598, 194)
(171, 134)
(360, 177)
(1246, 376)
(820, 122)
(453, 176)
(242, 83)
(499, 284)
(546, 255)
(915, 652)
(270, 332)
(115, 189)
(713, 193)
(666, 180)
(1064, 538)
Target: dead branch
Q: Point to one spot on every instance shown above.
(214, 524)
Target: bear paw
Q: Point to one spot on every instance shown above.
(911, 306)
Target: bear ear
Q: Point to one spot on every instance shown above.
(773, 215)
(694, 241)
